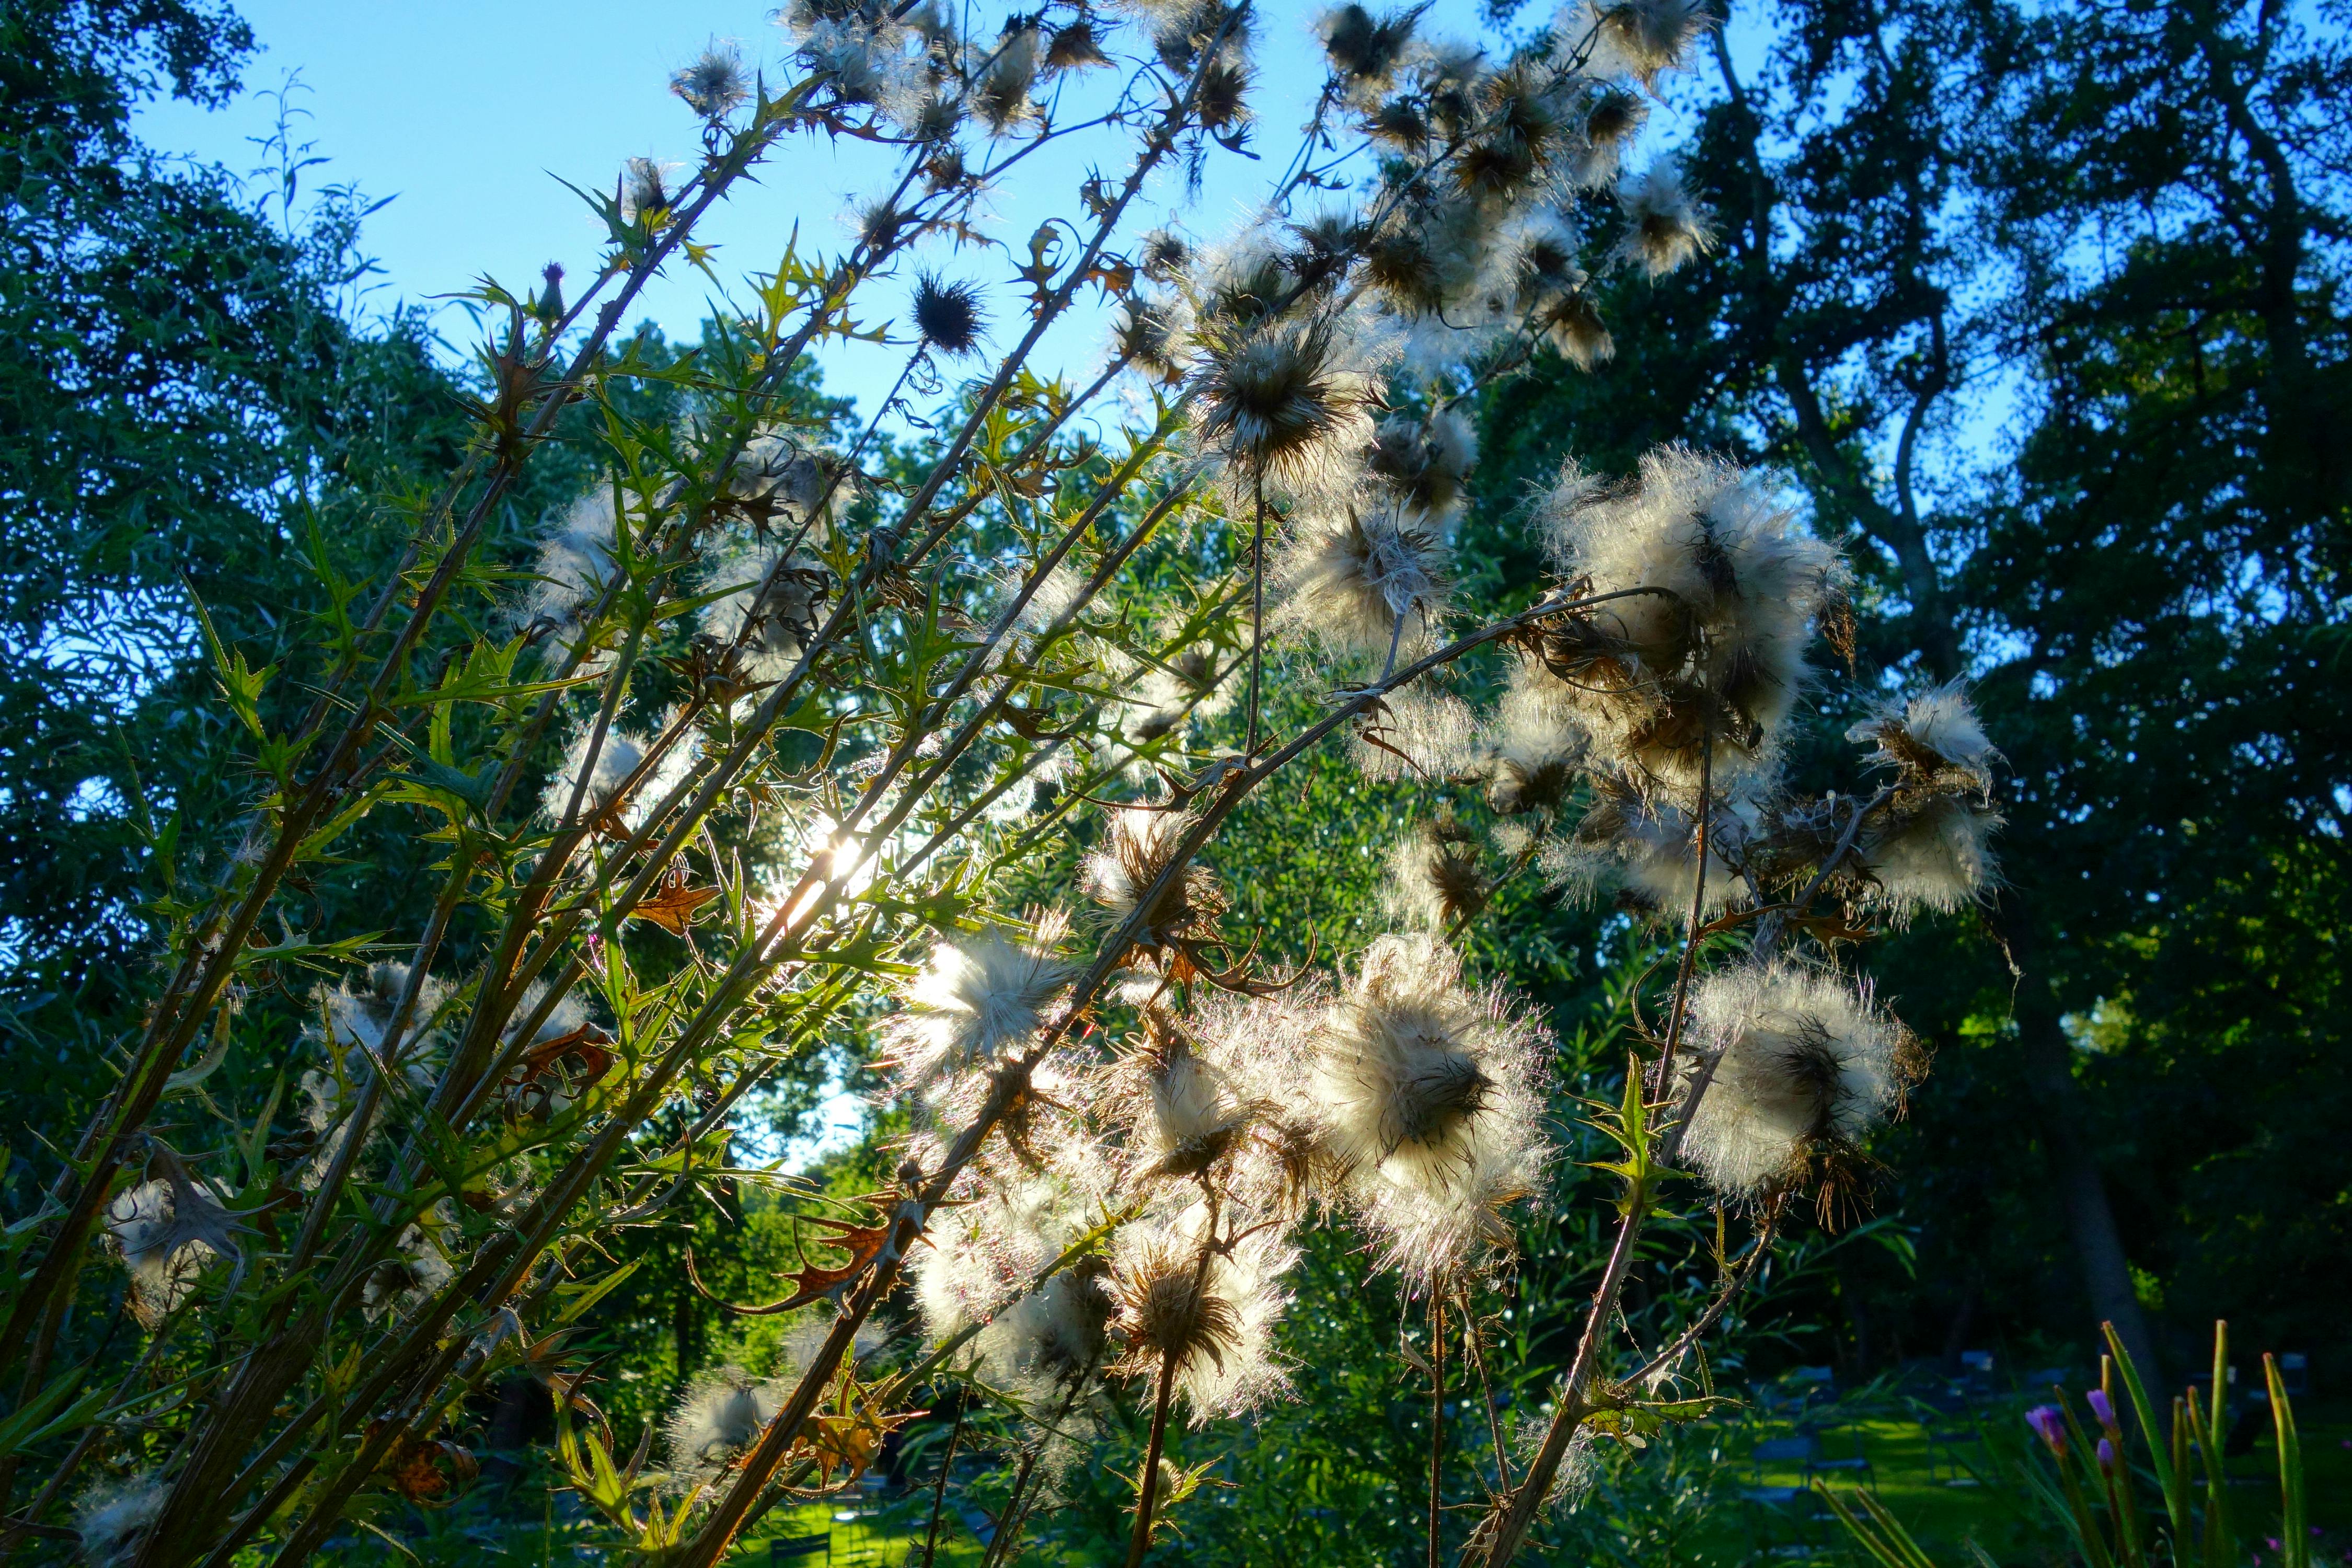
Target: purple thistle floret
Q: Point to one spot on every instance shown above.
(2104, 1408)
(2050, 1425)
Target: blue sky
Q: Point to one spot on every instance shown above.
(466, 114)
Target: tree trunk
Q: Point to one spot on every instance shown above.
(2061, 1116)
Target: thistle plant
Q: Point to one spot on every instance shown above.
(777, 732)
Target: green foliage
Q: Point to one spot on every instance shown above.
(2043, 309)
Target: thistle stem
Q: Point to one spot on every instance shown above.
(1436, 1418)
(1531, 1492)
(940, 1487)
(1257, 610)
(1146, 1486)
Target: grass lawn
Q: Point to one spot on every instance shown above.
(1955, 1495)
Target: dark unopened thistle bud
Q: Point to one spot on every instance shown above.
(714, 83)
(1364, 50)
(548, 305)
(948, 315)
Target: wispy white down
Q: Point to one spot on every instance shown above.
(1801, 1057)
(1721, 594)
(1430, 1093)
(112, 1516)
(976, 996)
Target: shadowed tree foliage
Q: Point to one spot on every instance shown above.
(2044, 309)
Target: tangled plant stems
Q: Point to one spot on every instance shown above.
(745, 749)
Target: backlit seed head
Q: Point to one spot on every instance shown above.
(948, 315)
(1804, 1062)
(1365, 51)
(714, 83)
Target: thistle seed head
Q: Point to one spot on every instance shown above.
(714, 83)
(1805, 1062)
(948, 315)
(1365, 51)
(1664, 226)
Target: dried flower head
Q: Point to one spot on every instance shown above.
(721, 1414)
(1001, 97)
(1643, 848)
(645, 194)
(167, 1231)
(1137, 845)
(714, 83)
(769, 620)
(609, 797)
(1075, 46)
(948, 315)
(576, 562)
(1524, 115)
(1273, 401)
(1641, 38)
(1571, 324)
(1053, 1339)
(1538, 746)
(866, 63)
(1183, 1115)
(1423, 464)
(1429, 1090)
(1930, 845)
(1803, 1062)
(414, 1273)
(110, 1516)
(1437, 877)
(1365, 51)
(1264, 1046)
(1706, 648)
(978, 995)
(1933, 742)
(1207, 1306)
(1663, 228)
(1363, 580)
(1162, 255)
(775, 480)
(1145, 336)
(1186, 686)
